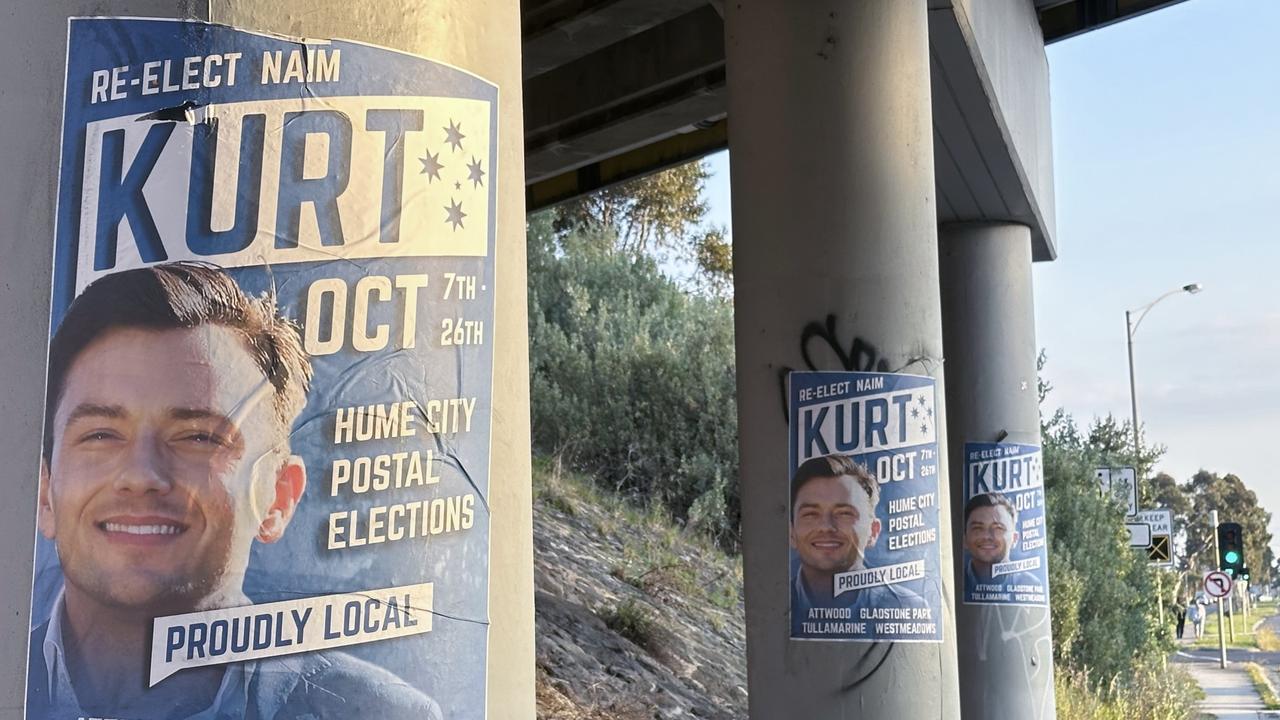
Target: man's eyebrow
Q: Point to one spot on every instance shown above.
(198, 413)
(94, 410)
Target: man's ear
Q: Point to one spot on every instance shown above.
(44, 515)
(875, 532)
(291, 481)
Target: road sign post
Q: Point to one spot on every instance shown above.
(1219, 584)
(1160, 526)
(1152, 532)
(1222, 640)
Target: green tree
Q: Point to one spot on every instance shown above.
(1163, 491)
(632, 379)
(659, 215)
(647, 214)
(1104, 614)
(714, 258)
(1235, 503)
(1112, 439)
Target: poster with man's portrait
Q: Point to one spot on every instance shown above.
(265, 473)
(863, 509)
(1005, 555)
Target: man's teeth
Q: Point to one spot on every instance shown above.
(142, 529)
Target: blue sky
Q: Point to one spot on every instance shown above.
(1166, 134)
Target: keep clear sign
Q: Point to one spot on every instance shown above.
(266, 456)
(864, 507)
(1005, 558)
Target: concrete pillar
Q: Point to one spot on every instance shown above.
(478, 36)
(1005, 651)
(833, 212)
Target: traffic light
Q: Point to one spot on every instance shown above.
(1231, 548)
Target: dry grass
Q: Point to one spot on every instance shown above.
(656, 551)
(1263, 685)
(1149, 694)
(1267, 639)
(556, 705)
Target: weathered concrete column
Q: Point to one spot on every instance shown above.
(478, 37)
(1003, 639)
(833, 215)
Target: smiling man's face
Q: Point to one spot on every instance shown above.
(167, 461)
(989, 535)
(832, 524)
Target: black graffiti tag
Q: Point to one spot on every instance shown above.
(861, 355)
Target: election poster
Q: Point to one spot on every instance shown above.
(1005, 558)
(265, 473)
(863, 511)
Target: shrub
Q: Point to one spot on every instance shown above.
(632, 621)
(632, 378)
(1104, 613)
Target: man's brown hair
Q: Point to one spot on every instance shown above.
(990, 500)
(833, 466)
(175, 296)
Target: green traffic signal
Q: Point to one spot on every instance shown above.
(1231, 548)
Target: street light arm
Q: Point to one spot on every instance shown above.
(1133, 327)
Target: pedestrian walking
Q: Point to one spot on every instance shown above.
(1180, 615)
(1195, 614)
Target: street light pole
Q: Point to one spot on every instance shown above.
(1133, 387)
(1131, 327)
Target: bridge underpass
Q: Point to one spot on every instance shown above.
(892, 168)
(652, 85)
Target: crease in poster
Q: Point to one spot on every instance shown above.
(1005, 554)
(863, 513)
(265, 472)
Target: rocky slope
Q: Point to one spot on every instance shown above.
(635, 619)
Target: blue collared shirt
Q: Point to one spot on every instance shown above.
(62, 694)
(305, 685)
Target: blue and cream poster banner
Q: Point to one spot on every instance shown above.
(1005, 558)
(863, 510)
(265, 475)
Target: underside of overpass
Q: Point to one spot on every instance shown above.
(616, 89)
